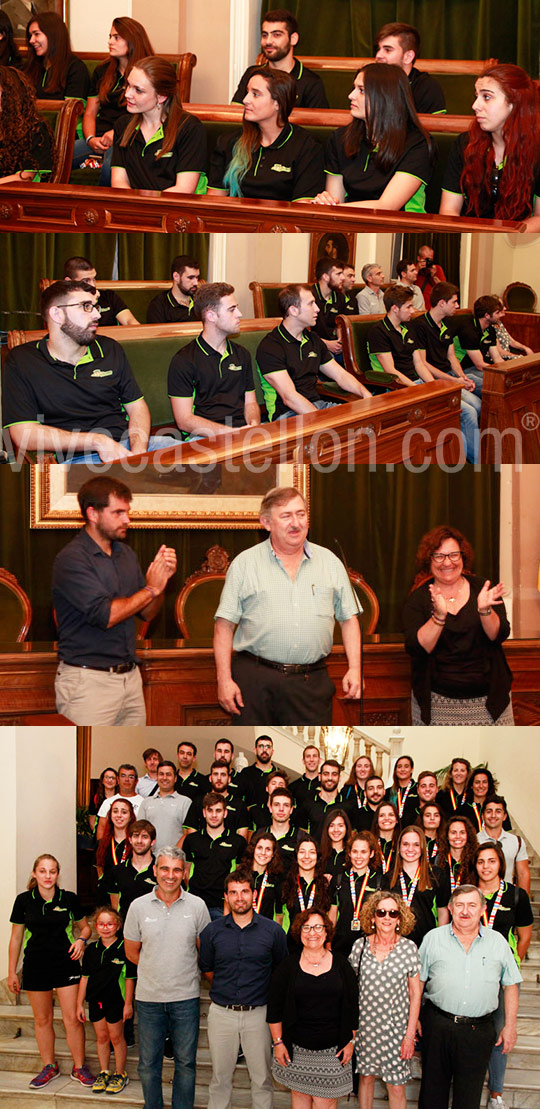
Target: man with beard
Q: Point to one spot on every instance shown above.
(362, 818)
(236, 817)
(330, 301)
(98, 589)
(72, 393)
(239, 951)
(279, 36)
(252, 779)
(113, 310)
(175, 305)
(135, 876)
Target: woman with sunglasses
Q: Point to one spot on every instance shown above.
(455, 624)
(388, 968)
(508, 911)
(313, 1016)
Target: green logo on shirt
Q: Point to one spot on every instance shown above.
(101, 373)
(232, 366)
(278, 168)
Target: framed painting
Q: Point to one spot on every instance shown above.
(335, 245)
(220, 497)
(20, 11)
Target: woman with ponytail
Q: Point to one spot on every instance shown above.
(157, 145)
(494, 168)
(270, 159)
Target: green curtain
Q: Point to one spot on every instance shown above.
(392, 510)
(447, 248)
(28, 258)
(448, 28)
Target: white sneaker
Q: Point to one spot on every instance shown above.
(496, 1103)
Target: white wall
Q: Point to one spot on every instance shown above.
(38, 809)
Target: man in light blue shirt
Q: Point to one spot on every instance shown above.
(463, 966)
(277, 609)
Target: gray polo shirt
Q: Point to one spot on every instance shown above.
(281, 619)
(370, 302)
(167, 814)
(168, 969)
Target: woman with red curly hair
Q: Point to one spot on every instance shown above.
(26, 142)
(455, 624)
(494, 169)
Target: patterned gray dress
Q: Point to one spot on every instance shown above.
(384, 1009)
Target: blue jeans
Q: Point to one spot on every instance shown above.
(469, 427)
(155, 442)
(82, 151)
(180, 1021)
(318, 404)
(478, 377)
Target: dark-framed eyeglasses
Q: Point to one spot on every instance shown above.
(452, 556)
(86, 305)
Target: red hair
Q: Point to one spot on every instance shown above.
(522, 149)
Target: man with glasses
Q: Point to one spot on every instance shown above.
(252, 779)
(73, 393)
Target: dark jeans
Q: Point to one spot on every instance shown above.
(180, 1021)
(271, 697)
(453, 1051)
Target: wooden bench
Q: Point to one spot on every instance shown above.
(382, 425)
(58, 208)
(455, 76)
(184, 65)
(62, 117)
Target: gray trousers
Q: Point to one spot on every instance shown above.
(228, 1030)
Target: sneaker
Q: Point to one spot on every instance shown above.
(101, 1083)
(48, 1074)
(117, 1083)
(496, 1103)
(83, 1075)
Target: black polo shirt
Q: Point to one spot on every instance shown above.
(164, 308)
(336, 305)
(452, 182)
(216, 383)
(303, 788)
(252, 783)
(212, 860)
(129, 883)
(114, 106)
(139, 158)
(468, 335)
(301, 358)
(111, 305)
(383, 338)
(287, 845)
(291, 168)
(309, 87)
(434, 338)
(270, 903)
(236, 815)
(192, 786)
(47, 924)
(351, 304)
(423, 905)
(85, 582)
(362, 818)
(106, 969)
(314, 813)
(37, 388)
(362, 178)
(427, 94)
(75, 86)
(340, 894)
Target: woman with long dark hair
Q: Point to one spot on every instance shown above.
(354, 787)
(263, 859)
(335, 833)
(432, 821)
(361, 876)
(403, 792)
(452, 794)
(43, 917)
(114, 846)
(480, 786)
(494, 168)
(456, 860)
(455, 624)
(157, 145)
(414, 880)
(270, 158)
(26, 142)
(9, 51)
(383, 158)
(305, 885)
(128, 43)
(107, 787)
(386, 830)
(53, 69)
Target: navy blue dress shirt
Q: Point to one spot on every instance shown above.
(242, 959)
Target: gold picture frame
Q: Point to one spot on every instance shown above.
(20, 17)
(220, 498)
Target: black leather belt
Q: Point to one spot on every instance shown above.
(463, 1020)
(120, 668)
(241, 1008)
(287, 667)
